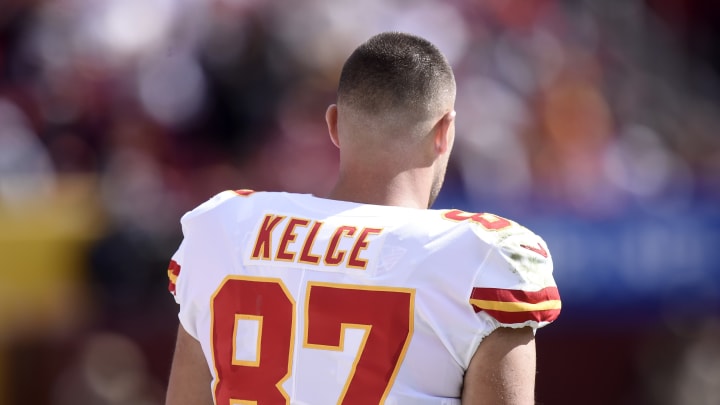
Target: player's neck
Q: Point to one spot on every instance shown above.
(406, 189)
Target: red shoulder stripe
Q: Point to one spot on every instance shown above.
(504, 295)
(517, 306)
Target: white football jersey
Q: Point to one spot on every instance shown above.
(303, 300)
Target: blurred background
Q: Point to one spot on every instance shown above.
(594, 123)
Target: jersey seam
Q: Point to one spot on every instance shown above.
(478, 337)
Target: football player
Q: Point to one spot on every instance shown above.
(366, 296)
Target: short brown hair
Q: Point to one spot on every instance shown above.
(396, 72)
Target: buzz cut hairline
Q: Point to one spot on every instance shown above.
(397, 73)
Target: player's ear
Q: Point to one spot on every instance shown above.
(444, 133)
(331, 118)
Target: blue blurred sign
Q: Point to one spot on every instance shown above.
(640, 261)
(635, 260)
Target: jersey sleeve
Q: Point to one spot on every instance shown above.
(173, 272)
(514, 287)
(185, 272)
(178, 285)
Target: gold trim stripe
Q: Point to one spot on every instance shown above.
(516, 306)
(172, 277)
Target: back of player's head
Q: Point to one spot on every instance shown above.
(396, 74)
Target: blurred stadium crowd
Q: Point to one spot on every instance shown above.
(117, 116)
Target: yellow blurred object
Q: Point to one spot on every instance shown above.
(42, 254)
(42, 243)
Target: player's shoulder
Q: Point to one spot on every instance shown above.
(489, 227)
(512, 240)
(225, 200)
(515, 283)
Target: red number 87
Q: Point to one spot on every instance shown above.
(385, 314)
